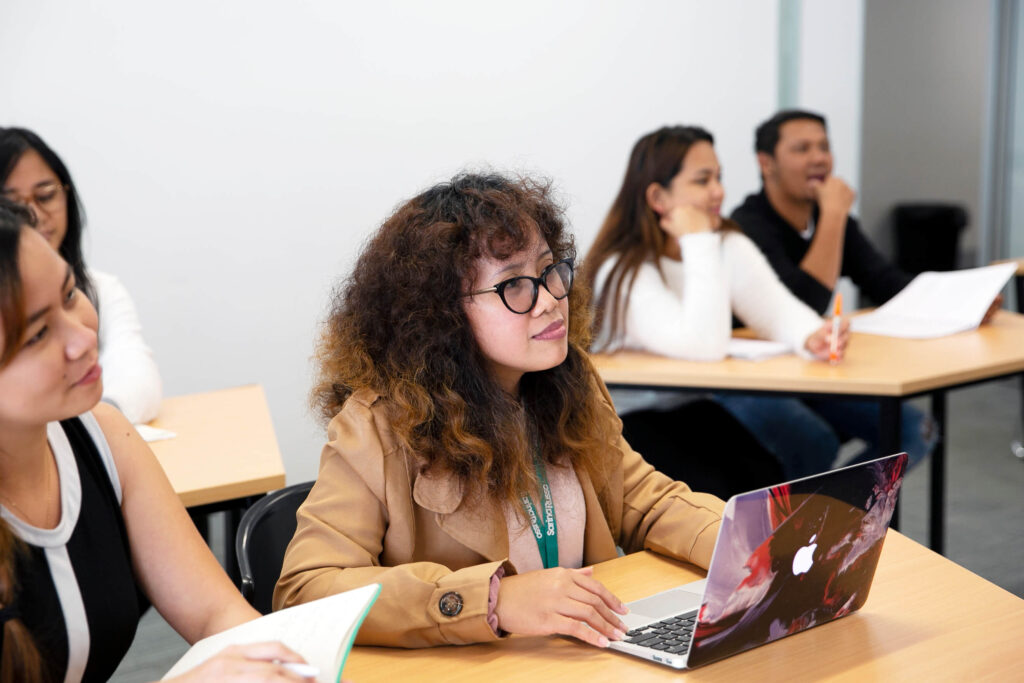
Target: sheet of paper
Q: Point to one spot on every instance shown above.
(756, 349)
(150, 434)
(322, 631)
(937, 304)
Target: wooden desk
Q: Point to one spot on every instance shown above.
(884, 369)
(225, 453)
(926, 619)
(225, 446)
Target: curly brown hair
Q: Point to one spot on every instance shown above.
(397, 327)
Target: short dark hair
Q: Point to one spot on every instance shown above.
(766, 137)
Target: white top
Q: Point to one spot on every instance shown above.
(131, 380)
(688, 313)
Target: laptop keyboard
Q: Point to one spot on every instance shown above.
(670, 635)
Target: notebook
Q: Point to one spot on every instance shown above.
(787, 558)
(322, 631)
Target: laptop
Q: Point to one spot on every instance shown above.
(787, 558)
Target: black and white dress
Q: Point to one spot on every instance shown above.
(76, 590)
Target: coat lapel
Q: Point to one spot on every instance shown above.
(478, 525)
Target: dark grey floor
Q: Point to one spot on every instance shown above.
(984, 523)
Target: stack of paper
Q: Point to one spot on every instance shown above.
(938, 304)
(756, 349)
(150, 434)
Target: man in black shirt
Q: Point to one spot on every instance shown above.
(801, 217)
(801, 221)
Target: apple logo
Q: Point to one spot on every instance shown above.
(804, 557)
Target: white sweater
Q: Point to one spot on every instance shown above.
(688, 314)
(131, 380)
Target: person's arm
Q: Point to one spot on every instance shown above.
(764, 234)
(761, 301)
(658, 513)
(176, 569)
(824, 258)
(666, 516)
(876, 275)
(131, 380)
(694, 325)
(340, 538)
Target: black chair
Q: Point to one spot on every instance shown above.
(928, 236)
(263, 534)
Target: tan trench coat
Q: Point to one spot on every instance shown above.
(372, 517)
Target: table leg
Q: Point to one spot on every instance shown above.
(937, 506)
(889, 439)
(1017, 448)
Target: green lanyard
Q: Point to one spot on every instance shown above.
(547, 539)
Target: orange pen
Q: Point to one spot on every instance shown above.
(837, 314)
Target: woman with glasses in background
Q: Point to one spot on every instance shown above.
(475, 466)
(32, 174)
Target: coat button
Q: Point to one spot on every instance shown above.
(450, 604)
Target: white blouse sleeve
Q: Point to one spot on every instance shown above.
(761, 301)
(692, 320)
(131, 380)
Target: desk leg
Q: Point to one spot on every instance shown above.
(937, 506)
(889, 439)
(1019, 282)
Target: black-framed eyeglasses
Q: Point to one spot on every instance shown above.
(519, 294)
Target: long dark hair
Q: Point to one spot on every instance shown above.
(14, 142)
(397, 326)
(20, 659)
(632, 230)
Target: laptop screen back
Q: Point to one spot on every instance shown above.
(795, 556)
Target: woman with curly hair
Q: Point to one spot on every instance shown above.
(475, 466)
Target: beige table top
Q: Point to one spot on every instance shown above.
(926, 619)
(880, 366)
(225, 446)
(1018, 261)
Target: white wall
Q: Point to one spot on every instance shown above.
(831, 51)
(233, 155)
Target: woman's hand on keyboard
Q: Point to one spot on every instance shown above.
(566, 601)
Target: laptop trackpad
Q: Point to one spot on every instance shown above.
(667, 603)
